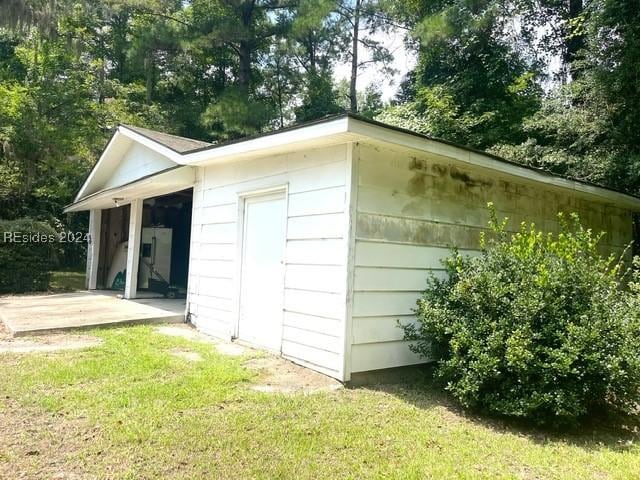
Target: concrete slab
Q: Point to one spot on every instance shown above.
(38, 314)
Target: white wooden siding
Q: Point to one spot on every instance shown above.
(410, 210)
(372, 329)
(319, 278)
(389, 278)
(137, 162)
(328, 326)
(380, 355)
(372, 279)
(324, 200)
(366, 304)
(309, 302)
(385, 254)
(313, 227)
(315, 253)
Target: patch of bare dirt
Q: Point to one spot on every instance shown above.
(187, 355)
(47, 343)
(190, 333)
(4, 333)
(185, 331)
(231, 349)
(277, 375)
(45, 446)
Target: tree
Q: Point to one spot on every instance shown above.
(365, 18)
(245, 30)
(587, 128)
(317, 40)
(471, 82)
(21, 15)
(369, 99)
(62, 101)
(555, 28)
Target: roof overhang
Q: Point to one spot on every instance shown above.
(348, 128)
(161, 183)
(478, 159)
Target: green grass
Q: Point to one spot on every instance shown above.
(67, 281)
(156, 416)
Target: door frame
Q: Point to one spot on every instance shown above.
(240, 235)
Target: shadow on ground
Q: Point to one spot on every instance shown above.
(606, 430)
(276, 375)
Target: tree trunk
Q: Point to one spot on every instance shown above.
(574, 42)
(222, 71)
(280, 94)
(312, 54)
(101, 72)
(245, 46)
(149, 72)
(36, 49)
(353, 92)
(244, 73)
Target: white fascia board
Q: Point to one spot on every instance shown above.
(368, 131)
(122, 134)
(343, 130)
(172, 180)
(115, 138)
(267, 143)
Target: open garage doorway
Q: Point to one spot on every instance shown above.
(112, 256)
(164, 250)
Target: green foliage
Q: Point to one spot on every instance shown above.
(534, 327)
(235, 115)
(470, 85)
(26, 264)
(206, 69)
(371, 104)
(587, 128)
(434, 112)
(319, 99)
(546, 83)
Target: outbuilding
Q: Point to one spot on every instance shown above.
(314, 240)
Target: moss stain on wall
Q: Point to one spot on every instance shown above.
(443, 204)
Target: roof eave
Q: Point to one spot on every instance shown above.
(165, 181)
(323, 132)
(345, 128)
(479, 159)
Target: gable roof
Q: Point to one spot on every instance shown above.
(173, 142)
(337, 129)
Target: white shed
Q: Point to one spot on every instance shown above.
(314, 240)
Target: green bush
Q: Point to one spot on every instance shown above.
(27, 255)
(535, 327)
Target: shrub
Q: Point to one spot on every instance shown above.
(535, 327)
(25, 266)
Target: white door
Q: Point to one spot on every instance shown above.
(262, 276)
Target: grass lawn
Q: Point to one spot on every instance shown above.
(130, 409)
(66, 281)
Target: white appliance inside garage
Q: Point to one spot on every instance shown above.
(155, 255)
